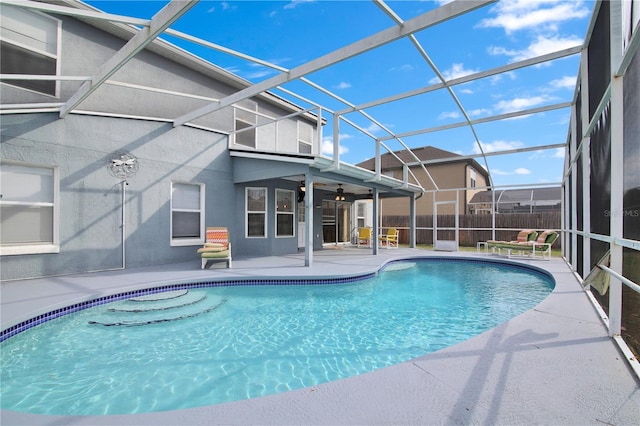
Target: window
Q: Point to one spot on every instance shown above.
(29, 45)
(28, 209)
(187, 214)
(284, 213)
(361, 214)
(256, 208)
(305, 138)
(473, 178)
(244, 119)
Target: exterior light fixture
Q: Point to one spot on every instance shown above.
(370, 195)
(340, 195)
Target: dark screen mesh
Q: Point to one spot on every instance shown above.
(578, 137)
(599, 57)
(631, 134)
(600, 179)
(631, 203)
(579, 220)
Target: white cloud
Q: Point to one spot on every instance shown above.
(479, 111)
(466, 91)
(342, 85)
(451, 114)
(402, 68)
(566, 82)
(327, 145)
(456, 71)
(373, 128)
(515, 15)
(518, 171)
(496, 146)
(499, 172)
(519, 104)
(540, 46)
(295, 3)
(559, 153)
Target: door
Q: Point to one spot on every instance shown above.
(445, 225)
(301, 224)
(336, 222)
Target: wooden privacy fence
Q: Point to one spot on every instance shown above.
(474, 227)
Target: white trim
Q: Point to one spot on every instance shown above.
(291, 213)
(55, 22)
(45, 247)
(247, 211)
(187, 241)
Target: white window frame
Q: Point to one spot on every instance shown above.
(187, 241)
(13, 37)
(292, 213)
(45, 247)
(472, 178)
(247, 211)
(247, 119)
(302, 141)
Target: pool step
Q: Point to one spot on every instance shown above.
(154, 310)
(159, 301)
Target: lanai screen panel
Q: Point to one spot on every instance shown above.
(631, 195)
(600, 184)
(579, 216)
(599, 54)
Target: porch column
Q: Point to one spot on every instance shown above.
(375, 232)
(412, 221)
(308, 223)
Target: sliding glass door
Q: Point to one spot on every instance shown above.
(336, 222)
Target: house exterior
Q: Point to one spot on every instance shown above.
(444, 170)
(97, 175)
(521, 200)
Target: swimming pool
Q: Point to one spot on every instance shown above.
(199, 346)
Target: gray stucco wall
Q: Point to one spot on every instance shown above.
(90, 198)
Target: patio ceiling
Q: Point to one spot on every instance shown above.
(327, 104)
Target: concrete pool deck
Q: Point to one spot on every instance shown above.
(553, 364)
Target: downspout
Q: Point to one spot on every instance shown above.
(123, 226)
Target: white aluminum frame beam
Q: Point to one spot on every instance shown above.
(492, 153)
(161, 21)
(389, 35)
(483, 120)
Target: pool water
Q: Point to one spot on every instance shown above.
(205, 346)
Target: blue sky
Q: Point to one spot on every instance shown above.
(291, 33)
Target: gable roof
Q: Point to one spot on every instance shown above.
(389, 161)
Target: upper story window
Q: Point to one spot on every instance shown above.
(245, 117)
(29, 43)
(285, 211)
(28, 209)
(472, 174)
(187, 214)
(256, 212)
(305, 138)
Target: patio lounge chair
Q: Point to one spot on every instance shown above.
(524, 236)
(541, 245)
(390, 239)
(364, 237)
(217, 246)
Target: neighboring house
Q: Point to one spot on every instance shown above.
(97, 174)
(521, 200)
(444, 169)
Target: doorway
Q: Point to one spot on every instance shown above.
(445, 225)
(336, 222)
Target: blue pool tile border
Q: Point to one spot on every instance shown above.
(40, 319)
